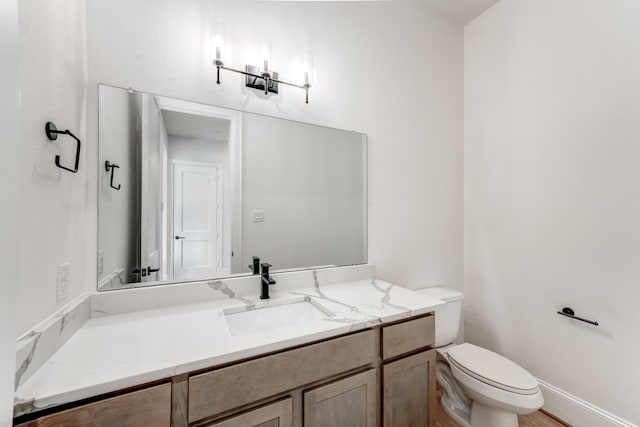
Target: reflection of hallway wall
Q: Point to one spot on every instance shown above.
(308, 180)
(198, 150)
(119, 144)
(201, 151)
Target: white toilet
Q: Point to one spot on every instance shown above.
(482, 388)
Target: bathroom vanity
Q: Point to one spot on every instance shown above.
(384, 373)
(356, 353)
(188, 194)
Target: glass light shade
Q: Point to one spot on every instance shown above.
(307, 67)
(217, 40)
(265, 53)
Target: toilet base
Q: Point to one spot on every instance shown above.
(453, 401)
(483, 416)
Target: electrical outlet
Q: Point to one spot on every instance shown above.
(100, 263)
(258, 216)
(63, 282)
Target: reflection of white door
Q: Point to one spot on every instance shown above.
(196, 221)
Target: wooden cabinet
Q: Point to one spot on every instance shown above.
(408, 378)
(409, 391)
(380, 376)
(349, 402)
(150, 407)
(278, 414)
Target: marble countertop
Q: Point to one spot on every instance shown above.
(117, 351)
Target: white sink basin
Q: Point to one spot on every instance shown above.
(294, 314)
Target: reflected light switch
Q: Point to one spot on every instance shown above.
(258, 216)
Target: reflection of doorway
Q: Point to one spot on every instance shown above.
(204, 134)
(197, 224)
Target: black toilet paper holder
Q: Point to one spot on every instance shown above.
(568, 312)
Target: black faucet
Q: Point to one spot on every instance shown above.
(266, 281)
(255, 267)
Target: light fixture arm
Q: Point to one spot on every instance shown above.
(266, 75)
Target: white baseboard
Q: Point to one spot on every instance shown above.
(576, 411)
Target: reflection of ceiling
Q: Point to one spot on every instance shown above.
(194, 126)
(462, 11)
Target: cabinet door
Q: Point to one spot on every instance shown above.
(278, 414)
(409, 391)
(350, 402)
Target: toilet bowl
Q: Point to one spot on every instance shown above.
(481, 388)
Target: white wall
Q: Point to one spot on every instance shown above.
(308, 181)
(390, 69)
(11, 207)
(552, 192)
(53, 88)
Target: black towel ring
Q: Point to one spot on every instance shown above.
(52, 133)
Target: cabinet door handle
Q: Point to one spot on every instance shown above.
(180, 237)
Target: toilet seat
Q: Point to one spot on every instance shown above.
(499, 384)
(492, 369)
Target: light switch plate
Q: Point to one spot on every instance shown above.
(258, 216)
(63, 282)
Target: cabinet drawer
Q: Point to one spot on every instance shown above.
(224, 389)
(150, 407)
(408, 336)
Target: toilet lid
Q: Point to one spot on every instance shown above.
(492, 369)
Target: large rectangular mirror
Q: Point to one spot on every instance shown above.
(192, 192)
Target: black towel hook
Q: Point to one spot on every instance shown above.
(52, 133)
(112, 167)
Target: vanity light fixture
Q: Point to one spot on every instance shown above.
(264, 78)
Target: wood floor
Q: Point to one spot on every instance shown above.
(537, 419)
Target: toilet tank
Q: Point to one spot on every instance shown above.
(447, 317)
